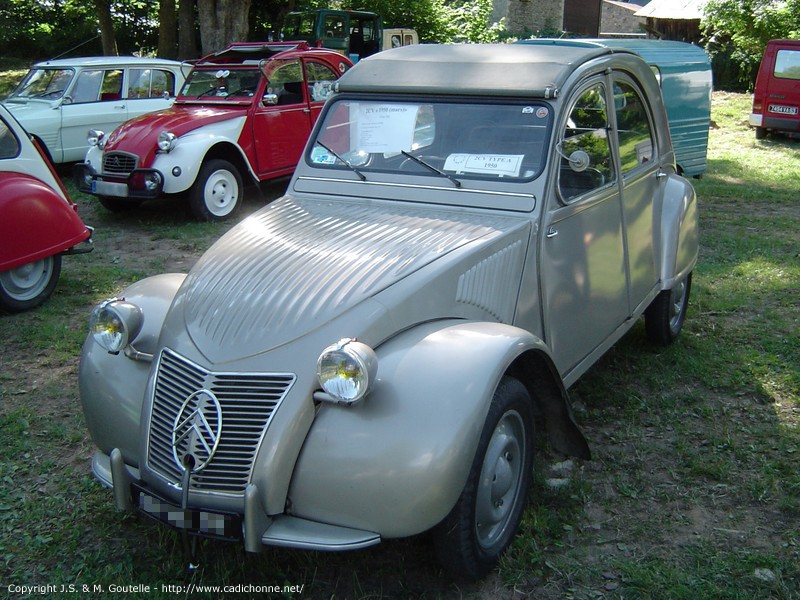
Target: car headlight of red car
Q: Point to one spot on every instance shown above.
(346, 371)
(95, 137)
(166, 141)
(115, 323)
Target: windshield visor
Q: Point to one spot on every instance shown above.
(205, 84)
(43, 84)
(456, 139)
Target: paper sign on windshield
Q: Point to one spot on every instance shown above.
(501, 165)
(385, 128)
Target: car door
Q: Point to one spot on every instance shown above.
(280, 130)
(583, 266)
(319, 79)
(641, 196)
(94, 102)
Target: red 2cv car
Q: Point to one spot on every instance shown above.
(38, 221)
(246, 110)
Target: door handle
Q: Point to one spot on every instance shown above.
(661, 175)
(551, 232)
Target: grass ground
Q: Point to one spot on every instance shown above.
(693, 492)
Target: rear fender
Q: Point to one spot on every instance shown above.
(680, 231)
(112, 386)
(37, 221)
(396, 463)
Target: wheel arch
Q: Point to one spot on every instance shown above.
(226, 150)
(538, 374)
(397, 463)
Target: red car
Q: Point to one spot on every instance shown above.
(245, 111)
(38, 221)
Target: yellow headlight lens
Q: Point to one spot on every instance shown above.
(114, 324)
(346, 370)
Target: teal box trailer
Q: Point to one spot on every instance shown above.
(684, 73)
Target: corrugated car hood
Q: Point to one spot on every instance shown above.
(299, 263)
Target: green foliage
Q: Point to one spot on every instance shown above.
(737, 32)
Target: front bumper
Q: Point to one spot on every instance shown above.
(254, 528)
(140, 184)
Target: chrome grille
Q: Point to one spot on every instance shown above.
(248, 401)
(119, 163)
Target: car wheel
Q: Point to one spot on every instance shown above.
(663, 319)
(217, 193)
(761, 133)
(117, 204)
(471, 539)
(29, 285)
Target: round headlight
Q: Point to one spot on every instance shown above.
(166, 141)
(346, 370)
(114, 324)
(95, 137)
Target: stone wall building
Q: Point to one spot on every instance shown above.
(619, 18)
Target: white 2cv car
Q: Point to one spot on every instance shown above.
(468, 230)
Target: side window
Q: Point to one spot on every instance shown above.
(151, 83)
(287, 83)
(9, 144)
(87, 86)
(111, 88)
(633, 126)
(334, 27)
(163, 84)
(586, 162)
(320, 81)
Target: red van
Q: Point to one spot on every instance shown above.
(776, 101)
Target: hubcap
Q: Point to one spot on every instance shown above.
(221, 193)
(500, 479)
(28, 281)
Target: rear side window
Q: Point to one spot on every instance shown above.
(787, 64)
(151, 83)
(635, 136)
(9, 144)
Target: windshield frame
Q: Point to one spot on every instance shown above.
(219, 72)
(380, 164)
(18, 93)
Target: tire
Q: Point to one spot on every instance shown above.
(216, 195)
(663, 319)
(761, 133)
(479, 528)
(29, 285)
(118, 205)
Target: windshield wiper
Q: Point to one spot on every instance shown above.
(349, 166)
(416, 159)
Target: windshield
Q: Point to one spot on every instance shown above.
(449, 140)
(221, 83)
(45, 84)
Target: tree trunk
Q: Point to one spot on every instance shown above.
(222, 22)
(187, 36)
(167, 29)
(107, 36)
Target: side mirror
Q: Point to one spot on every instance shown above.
(579, 161)
(270, 99)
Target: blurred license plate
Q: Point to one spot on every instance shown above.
(109, 188)
(784, 110)
(201, 522)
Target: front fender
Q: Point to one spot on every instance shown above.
(190, 150)
(680, 230)
(112, 386)
(396, 463)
